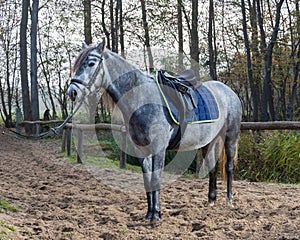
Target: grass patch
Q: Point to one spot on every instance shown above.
(264, 156)
(270, 156)
(5, 206)
(6, 230)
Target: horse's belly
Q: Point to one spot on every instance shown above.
(199, 135)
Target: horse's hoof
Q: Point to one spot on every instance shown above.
(211, 203)
(149, 216)
(156, 219)
(229, 202)
(155, 222)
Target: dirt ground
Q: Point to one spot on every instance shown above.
(60, 200)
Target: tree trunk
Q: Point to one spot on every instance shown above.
(87, 21)
(180, 35)
(92, 100)
(211, 48)
(267, 97)
(147, 36)
(296, 57)
(249, 64)
(194, 47)
(106, 32)
(113, 30)
(33, 62)
(23, 64)
(122, 32)
(256, 62)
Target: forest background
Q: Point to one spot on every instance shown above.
(251, 45)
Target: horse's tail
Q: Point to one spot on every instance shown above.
(224, 159)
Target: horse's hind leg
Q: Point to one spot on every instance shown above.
(212, 164)
(231, 145)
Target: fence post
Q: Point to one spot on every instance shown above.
(123, 153)
(18, 120)
(69, 140)
(64, 140)
(79, 146)
(37, 129)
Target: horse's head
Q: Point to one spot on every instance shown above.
(86, 71)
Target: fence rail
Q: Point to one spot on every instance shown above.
(67, 132)
(276, 125)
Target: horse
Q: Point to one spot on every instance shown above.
(150, 126)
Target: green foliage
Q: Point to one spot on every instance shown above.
(270, 156)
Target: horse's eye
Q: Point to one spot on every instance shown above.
(91, 64)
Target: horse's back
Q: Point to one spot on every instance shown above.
(229, 103)
(226, 97)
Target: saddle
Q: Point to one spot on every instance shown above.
(184, 83)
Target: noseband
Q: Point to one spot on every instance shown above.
(88, 85)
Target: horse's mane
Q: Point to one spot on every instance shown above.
(81, 58)
(110, 106)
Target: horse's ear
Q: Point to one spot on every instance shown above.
(84, 45)
(101, 46)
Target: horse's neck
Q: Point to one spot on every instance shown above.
(124, 84)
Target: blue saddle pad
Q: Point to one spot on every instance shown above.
(207, 109)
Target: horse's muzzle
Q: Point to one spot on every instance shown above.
(72, 92)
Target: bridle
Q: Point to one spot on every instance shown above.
(88, 85)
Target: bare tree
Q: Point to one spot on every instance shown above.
(87, 21)
(211, 48)
(33, 61)
(147, 35)
(180, 35)
(194, 45)
(295, 40)
(121, 26)
(23, 63)
(249, 64)
(9, 58)
(267, 96)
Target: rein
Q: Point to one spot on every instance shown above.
(51, 132)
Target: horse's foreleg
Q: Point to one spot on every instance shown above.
(152, 174)
(146, 164)
(157, 169)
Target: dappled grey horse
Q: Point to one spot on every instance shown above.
(150, 126)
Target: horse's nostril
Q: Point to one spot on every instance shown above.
(74, 93)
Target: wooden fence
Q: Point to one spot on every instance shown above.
(67, 138)
(67, 133)
(39, 124)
